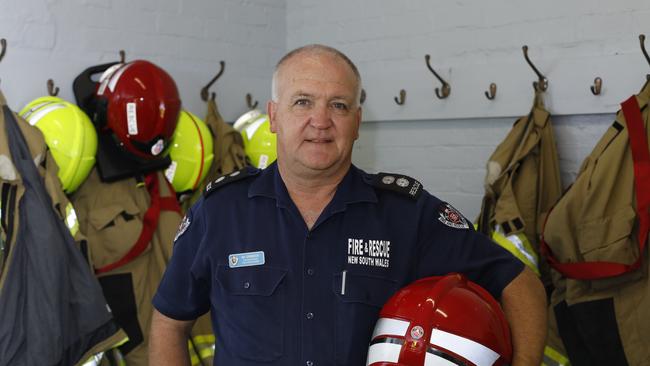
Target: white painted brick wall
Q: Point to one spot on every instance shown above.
(58, 39)
(449, 156)
(472, 43)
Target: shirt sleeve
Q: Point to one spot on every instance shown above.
(184, 291)
(448, 243)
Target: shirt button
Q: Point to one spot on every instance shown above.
(309, 363)
(247, 284)
(310, 315)
(310, 271)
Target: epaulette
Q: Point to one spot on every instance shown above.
(401, 184)
(229, 178)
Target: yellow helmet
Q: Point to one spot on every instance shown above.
(259, 141)
(191, 152)
(68, 133)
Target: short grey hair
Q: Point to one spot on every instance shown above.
(314, 49)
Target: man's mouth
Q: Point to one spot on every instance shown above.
(319, 140)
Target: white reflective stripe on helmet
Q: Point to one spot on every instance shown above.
(115, 77)
(253, 126)
(34, 108)
(105, 78)
(475, 352)
(434, 360)
(245, 119)
(33, 120)
(383, 352)
(388, 326)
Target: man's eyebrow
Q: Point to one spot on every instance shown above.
(341, 97)
(301, 94)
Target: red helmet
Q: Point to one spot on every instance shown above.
(442, 320)
(138, 104)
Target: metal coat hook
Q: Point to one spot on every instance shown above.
(597, 87)
(204, 90)
(249, 101)
(492, 93)
(542, 83)
(122, 56)
(402, 97)
(3, 48)
(645, 53)
(51, 89)
(362, 97)
(446, 88)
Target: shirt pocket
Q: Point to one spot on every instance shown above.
(113, 231)
(250, 313)
(609, 238)
(359, 301)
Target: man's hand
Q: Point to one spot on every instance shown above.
(168, 340)
(524, 304)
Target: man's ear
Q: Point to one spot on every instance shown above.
(271, 110)
(358, 120)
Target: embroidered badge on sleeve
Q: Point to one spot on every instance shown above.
(451, 217)
(182, 227)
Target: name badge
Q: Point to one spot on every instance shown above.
(246, 259)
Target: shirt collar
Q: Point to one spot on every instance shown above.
(352, 189)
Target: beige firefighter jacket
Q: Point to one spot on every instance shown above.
(523, 177)
(111, 216)
(596, 221)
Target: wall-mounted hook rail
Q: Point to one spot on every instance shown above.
(492, 93)
(542, 83)
(402, 97)
(249, 101)
(645, 53)
(446, 88)
(204, 90)
(51, 89)
(597, 87)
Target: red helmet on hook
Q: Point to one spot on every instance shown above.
(138, 103)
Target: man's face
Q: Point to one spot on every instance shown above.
(316, 116)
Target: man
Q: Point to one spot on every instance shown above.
(295, 261)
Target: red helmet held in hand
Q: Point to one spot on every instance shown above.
(442, 320)
(138, 103)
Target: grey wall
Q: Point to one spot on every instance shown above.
(444, 143)
(59, 39)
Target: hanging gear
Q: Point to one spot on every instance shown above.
(523, 182)
(130, 224)
(138, 104)
(595, 239)
(229, 153)
(259, 141)
(41, 261)
(191, 152)
(441, 320)
(68, 133)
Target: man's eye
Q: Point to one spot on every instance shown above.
(301, 102)
(340, 106)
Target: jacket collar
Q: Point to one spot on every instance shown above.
(352, 189)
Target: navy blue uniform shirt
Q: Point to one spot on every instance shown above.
(281, 294)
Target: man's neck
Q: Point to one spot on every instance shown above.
(311, 193)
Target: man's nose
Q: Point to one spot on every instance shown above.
(321, 117)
